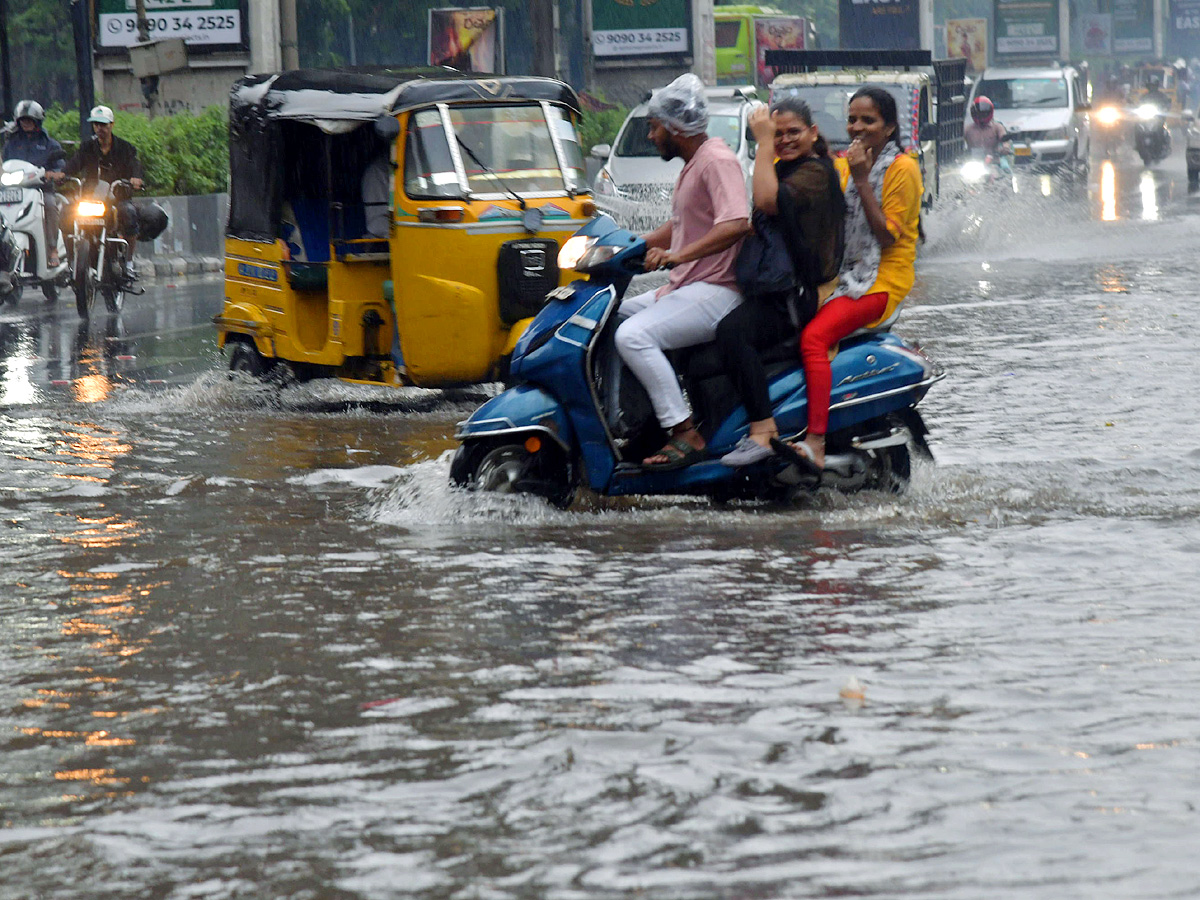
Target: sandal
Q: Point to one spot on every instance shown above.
(679, 453)
(798, 455)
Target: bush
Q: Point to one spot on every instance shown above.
(600, 127)
(181, 154)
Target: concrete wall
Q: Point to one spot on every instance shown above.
(194, 241)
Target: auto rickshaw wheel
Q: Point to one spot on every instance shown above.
(244, 357)
(502, 467)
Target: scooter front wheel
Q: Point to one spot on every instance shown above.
(84, 280)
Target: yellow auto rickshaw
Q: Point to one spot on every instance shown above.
(1149, 76)
(395, 227)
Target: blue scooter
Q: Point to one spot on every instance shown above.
(576, 415)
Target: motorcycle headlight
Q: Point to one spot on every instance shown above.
(1108, 115)
(90, 208)
(1147, 111)
(11, 178)
(573, 251)
(973, 170)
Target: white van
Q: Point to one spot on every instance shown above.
(1045, 113)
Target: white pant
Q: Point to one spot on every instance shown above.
(681, 318)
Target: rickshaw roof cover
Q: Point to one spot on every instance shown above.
(337, 100)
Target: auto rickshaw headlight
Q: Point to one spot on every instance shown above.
(573, 250)
(90, 209)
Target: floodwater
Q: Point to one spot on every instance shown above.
(255, 647)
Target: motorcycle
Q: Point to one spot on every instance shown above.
(1151, 137)
(99, 256)
(984, 173)
(22, 205)
(575, 415)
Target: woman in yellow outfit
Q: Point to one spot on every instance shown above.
(883, 192)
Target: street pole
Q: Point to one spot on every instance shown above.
(81, 25)
(289, 41)
(704, 41)
(1064, 30)
(6, 74)
(925, 24)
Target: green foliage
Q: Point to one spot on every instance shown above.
(600, 127)
(181, 154)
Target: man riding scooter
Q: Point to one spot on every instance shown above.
(31, 144)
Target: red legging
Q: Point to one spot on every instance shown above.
(837, 318)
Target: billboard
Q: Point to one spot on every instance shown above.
(879, 24)
(628, 28)
(1133, 26)
(968, 39)
(1025, 27)
(469, 40)
(1183, 28)
(1097, 32)
(776, 33)
(201, 23)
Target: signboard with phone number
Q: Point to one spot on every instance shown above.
(198, 22)
(639, 40)
(626, 28)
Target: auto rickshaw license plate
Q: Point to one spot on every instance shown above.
(1022, 150)
(10, 195)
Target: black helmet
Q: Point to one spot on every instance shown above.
(29, 109)
(982, 110)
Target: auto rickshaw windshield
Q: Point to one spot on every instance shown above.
(492, 150)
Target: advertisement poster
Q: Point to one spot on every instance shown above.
(776, 34)
(879, 24)
(640, 27)
(216, 23)
(1133, 26)
(1025, 27)
(1183, 28)
(1097, 32)
(470, 40)
(968, 39)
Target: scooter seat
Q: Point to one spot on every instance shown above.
(704, 360)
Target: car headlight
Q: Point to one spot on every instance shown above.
(573, 250)
(973, 170)
(1147, 111)
(604, 183)
(90, 208)
(1108, 115)
(1057, 134)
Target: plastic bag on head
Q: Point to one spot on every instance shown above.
(681, 106)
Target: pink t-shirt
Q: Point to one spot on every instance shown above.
(711, 189)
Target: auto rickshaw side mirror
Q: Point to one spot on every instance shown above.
(600, 151)
(387, 127)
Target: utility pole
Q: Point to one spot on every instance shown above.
(704, 41)
(289, 41)
(541, 23)
(81, 25)
(6, 74)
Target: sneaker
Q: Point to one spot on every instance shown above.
(746, 453)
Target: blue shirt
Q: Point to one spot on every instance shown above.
(36, 148)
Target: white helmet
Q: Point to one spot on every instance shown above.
(29, 109)
(101, 114)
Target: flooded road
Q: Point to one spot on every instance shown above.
(256, 647)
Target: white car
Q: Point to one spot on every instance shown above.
(635, 183)
(1044, 111)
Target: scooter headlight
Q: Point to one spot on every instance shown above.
(594, 256)
(973, 170)
(11, 178)
(90, 209)
(1108, 115)
(1147, 111)
(573, 251)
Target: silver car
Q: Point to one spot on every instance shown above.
(1044, 111)
(634, 185)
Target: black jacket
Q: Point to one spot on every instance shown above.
(90, 165)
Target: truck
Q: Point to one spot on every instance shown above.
(930, 98)
(745, 33)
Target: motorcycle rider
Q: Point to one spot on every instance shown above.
(106, 157)
(983, 131)
(1154, 94)
(29, 142)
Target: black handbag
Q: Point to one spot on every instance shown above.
(764, 265)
